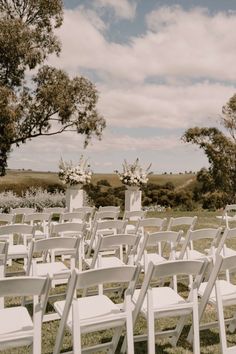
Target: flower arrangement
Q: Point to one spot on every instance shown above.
(75, 175)
(133, 174)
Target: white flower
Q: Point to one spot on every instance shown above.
(133, 174)
(72, 175)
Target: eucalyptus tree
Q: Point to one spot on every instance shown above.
(47, 102)
(220, 149)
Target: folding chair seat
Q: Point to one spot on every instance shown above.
(125, 242)
(58, 271)
(151, 249)
(14, 234)
(40, 221)
(19, 212)
(163, 301)
(17, 328)
(97, 312)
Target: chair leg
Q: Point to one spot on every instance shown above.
(151, 324)
(196, 338)
(115, 340)
(130, 334)
(220, 313)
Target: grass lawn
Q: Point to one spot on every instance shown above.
(209, 338)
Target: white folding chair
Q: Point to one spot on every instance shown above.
(14, 234)
(127, 242)
(204, 236)
(104, 227)
(71, 229)
(17, 328)
(219, 293)
(89, 214)
(228, 215)
(55, 268)
(133, 217)
(19, 212)
(151, 249)
(98, 312)
(150, 225)
(55, 213)
(161, 302)
(184, 223)
(40, 221)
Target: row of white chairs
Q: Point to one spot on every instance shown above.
(98, 312)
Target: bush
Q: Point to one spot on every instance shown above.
(33, 198)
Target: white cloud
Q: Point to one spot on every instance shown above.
(122, 8)
(164, 106)
(178, 43)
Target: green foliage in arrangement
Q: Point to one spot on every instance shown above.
(50, 102)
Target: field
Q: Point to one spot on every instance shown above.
(18, 179)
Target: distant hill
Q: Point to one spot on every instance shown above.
(18, 180)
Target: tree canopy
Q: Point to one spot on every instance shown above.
(48, 102)
(220, 150)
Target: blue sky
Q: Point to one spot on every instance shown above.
(160, 67)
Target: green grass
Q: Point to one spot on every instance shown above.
(209, 338)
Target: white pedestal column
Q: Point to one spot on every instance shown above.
(74, 197)
(133, 199)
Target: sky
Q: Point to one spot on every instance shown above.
(160, 67)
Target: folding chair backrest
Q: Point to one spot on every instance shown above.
(61, 229)
(182, 221)
(74, 216)
(6, 218)
(100, 215)
(55, 243)
(35, 217)
(155, 239)
(201, 234)
(134, 215)
(24, 286)
(117, 225)
(19, 212)
(95, 277)
(109, 208)
(119, 240)
(16, 229)
(149, 223)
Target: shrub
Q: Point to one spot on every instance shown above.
(34, 198)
